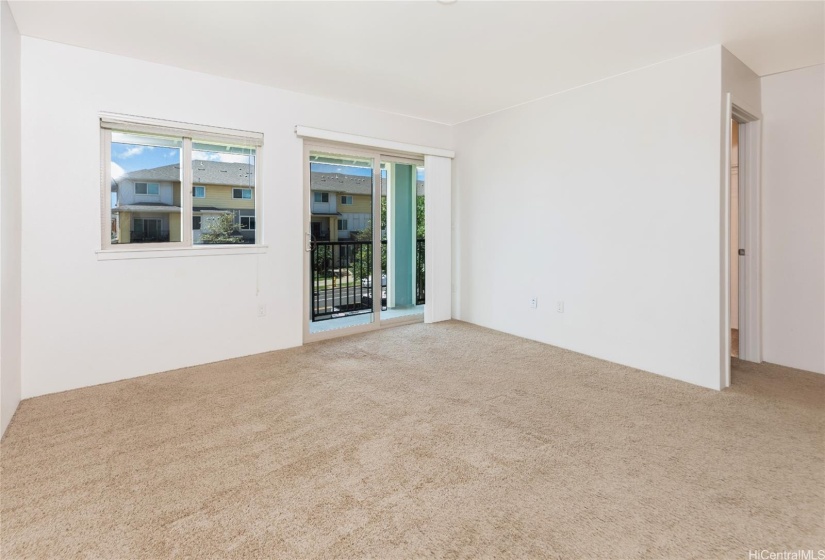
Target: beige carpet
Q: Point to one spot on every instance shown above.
(734, 343)
(437, 441)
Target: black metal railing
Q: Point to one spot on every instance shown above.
(152, 237)
(419, 272)
(341, 278)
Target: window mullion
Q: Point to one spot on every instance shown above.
(186, 195)
(106, 189)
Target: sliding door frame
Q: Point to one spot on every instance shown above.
(342, 150)
(377, 156)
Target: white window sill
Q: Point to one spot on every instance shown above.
(176, 252)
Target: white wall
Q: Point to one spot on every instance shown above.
(88, 321)
(10, 228)
(741, 82)
(793, 209)
(607, 197)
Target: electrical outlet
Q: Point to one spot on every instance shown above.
(534, 302)
(560, 306)
(261, 310)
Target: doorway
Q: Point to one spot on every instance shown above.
(741, 333)
(364, 240)
(734, 239)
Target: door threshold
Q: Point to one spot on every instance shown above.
(361, 329)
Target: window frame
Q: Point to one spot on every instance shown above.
(147, 185)
(344, 222)
(345, 197)
(188, 133)
(321, 195)
(250, 220)
(194, 190)
(250, 197)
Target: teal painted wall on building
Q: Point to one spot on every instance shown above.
(403, 234)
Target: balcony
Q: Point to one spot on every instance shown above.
(341, 278)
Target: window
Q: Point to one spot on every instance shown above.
(321, 197)
(346, 199)
(226, 167)
(147, 188)
(148, 230)
(151, 164)
(139, 164)
(342, 225)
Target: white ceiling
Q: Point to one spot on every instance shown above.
(446, 63)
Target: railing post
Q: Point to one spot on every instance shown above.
(312, 272)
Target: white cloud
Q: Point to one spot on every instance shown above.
(117, 171)
(225, 158)
(131, 152)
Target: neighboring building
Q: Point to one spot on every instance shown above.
(146, 204)
(342, 204)
(223, 187)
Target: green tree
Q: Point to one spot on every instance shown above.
(362, 254)
(222, 230)
(420, 230)
(419, 217)
(322, 255)
(362, 268)
(362, 265)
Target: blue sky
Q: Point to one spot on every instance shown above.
(131, 157)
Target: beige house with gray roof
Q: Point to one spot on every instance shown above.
(342, 204)
(146, 203)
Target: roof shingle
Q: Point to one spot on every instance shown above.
(243, 175)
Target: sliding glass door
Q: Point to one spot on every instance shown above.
(364, 240)
(340, 242)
